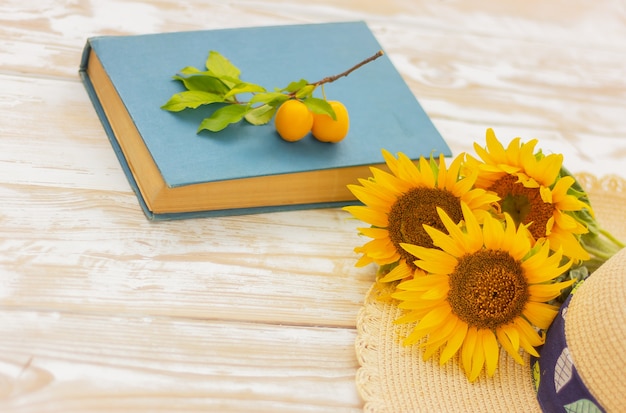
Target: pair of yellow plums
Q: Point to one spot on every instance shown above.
(294, 121)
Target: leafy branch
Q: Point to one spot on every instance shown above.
(221, 83)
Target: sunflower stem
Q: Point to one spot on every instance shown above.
(601, 246)
(610, 236)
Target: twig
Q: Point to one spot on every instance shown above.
(352, 69)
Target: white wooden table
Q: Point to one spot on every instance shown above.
(101, 310)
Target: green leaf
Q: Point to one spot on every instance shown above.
(261, 115)
(223, 117)
(320, 106)
(582, 405)
(190, 99)
(271, 98)
(244, 87)
(204, 83)
(189, 70)
(221, 66)
(293, 86)
(305, 92)
(229, 81)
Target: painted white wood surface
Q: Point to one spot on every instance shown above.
(101, 310)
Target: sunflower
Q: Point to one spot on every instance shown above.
(533, 192)
(399, 202)
(485, 285)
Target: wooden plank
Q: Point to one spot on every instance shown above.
(63, 361)
(94, 251)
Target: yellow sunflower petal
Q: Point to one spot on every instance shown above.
(565, 221)
(416, 305)
(569, 243)
(377, 233)
(366, 214)
(515, 152)
(380, 191)
(467, 351)
(439, 292)
(529, 339)
(546, 194)
(388, 180)
(440, 336)
(445, 242)
(474, 231)
(542, 267)
(463, 186)
(535, 262)
(427, 173)
(431, 260)
(442, 172)
(561, 187)
(453, 229)
(508, 337)
(432, 320)
(454, 343)
(527, 154)
(547, 292)
(540, 314)
(437, 338)
(492, 352)
(408, 171)
(423, 283)
(452, 177)
(410, 317)
(391, 161)
(441, 267)
(521, 242)
(399, 272)
(478, 357)
(363, 261)
(369, 198)
(496, 150)
(548, 168)
(548, 273)
(493, 234)
(480, 198)
(380, 250)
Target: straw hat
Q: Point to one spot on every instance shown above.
(394, 378)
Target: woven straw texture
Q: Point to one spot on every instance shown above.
(603, 330)
(395, 379)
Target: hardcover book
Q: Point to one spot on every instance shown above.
(179, 173)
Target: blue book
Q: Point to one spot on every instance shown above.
(179, 173)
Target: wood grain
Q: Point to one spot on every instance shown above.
(129, 362)
(102, 310)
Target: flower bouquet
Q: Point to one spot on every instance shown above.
(478, 255)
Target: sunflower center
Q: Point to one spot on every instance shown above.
(413, 209)
(488, 289)
(523, 204)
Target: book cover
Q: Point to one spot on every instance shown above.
(383, 114)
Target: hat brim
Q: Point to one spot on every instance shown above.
(394, 378)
